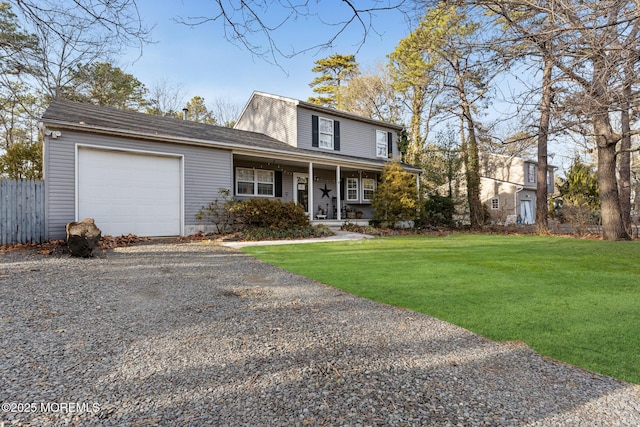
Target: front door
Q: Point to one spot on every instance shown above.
(301, 190)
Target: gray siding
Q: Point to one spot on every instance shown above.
(273, 117)
(356, 138)
(205, 171)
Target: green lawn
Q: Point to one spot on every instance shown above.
(573, 300)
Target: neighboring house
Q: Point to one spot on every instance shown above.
(149, 175)
(508, 188)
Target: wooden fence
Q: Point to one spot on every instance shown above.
(21, 211)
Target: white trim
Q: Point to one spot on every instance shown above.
(310, 189)
(79, 145)
(338, 195)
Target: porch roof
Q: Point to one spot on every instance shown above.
(63, 114)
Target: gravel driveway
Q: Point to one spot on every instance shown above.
(197, 334)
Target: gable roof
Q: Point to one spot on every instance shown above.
(98, 119)
(321, 109)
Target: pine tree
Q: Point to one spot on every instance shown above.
(336, 71)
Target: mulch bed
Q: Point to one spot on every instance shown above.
(59, 247)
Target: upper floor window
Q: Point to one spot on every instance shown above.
(532, 173)
(495, 203)
(255, 182)
(325, 133)
(382, 144)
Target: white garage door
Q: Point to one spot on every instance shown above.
(129, 192)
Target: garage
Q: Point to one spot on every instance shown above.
(130, 192)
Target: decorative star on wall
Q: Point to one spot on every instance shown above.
(325, 192)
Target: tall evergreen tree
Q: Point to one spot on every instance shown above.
(335, 72)
(102, 83)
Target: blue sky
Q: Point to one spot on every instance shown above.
(205, 63)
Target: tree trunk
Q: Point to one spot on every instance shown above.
(542, 191)
(612, 226)
(606, 141)
(471, 158)
(624, 172)
(414, 151)
(473, 174)
(624, 158)
(82, 237)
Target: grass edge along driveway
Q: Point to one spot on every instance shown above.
(574, 300)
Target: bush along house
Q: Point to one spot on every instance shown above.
(149, 175)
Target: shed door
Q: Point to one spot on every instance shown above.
(130, 193)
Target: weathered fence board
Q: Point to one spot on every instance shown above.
(21, 211)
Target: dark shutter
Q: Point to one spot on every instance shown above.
(336, 135)
(342, 189)
(389, 145)
(315, 135)
(278, 183)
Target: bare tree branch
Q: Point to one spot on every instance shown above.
(258, 25)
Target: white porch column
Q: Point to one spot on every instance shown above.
(310, 190)
(338, 195)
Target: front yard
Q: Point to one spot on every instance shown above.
(574, 300)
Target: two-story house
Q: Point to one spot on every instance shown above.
(507, 188)
(150, 175)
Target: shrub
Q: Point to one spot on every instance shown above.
(438, 211)
(272, 233)
(396, 197)
(269, 213)
(219, 212)
(260, 219)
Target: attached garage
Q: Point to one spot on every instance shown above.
(128, 192)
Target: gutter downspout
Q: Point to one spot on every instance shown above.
(515, 200)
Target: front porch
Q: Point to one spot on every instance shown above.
(331, 194)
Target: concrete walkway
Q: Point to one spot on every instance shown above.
(339, 236)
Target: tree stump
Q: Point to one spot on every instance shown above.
(82, 237)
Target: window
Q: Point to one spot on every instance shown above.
(532, 172)
(255, 182)
(326, 133)
(352, 189)
(495, 203)
(244, 181)
(381, 144)
(368, 187)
